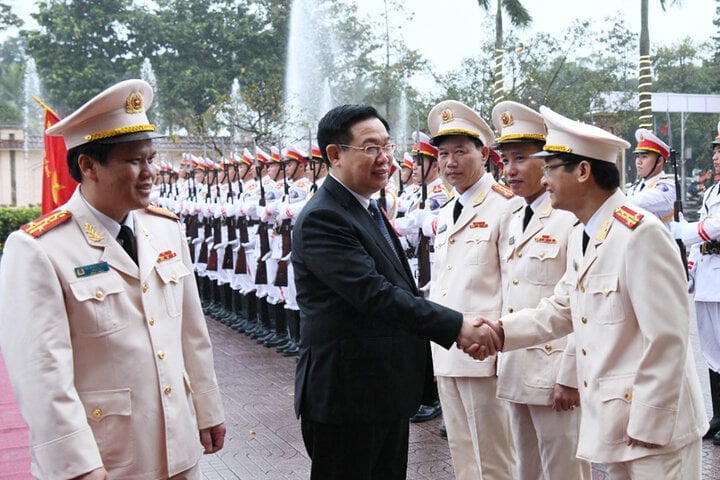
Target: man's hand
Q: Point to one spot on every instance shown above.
(97, 474)
(213, 438)
(565, 398)
(480, 339)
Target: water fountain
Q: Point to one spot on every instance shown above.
(148, 74)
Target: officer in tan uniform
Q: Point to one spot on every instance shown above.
(106, 344)
(470, 229)
(533, 262)
(642, 413)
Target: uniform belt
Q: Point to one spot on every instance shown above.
(710, 248)
(252, 223)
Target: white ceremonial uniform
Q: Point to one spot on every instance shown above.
(635, 370)
(110, 361)
(533, 262)
(656, 195)
(466, 277)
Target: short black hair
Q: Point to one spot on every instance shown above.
(98, 151)
(606, 174)
(334, 127)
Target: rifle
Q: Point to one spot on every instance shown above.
(203, 255)
(241, 260)
(678, 208)
(192, 231)
(423, 248)
(212, 263)
(261, 275)
(232, 236)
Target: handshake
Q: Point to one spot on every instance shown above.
(481, 338)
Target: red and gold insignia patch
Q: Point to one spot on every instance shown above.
(437, 188)
(46, 223)
(478, 225)
(447, 115)
(166, 255)
(134, 103)
(503, 190)
(628, 217)
(545, 239)
(163, 212)
(506, 119)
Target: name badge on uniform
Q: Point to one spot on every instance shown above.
(94, 269)
(442, 228)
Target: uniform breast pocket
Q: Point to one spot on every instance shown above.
(542, 267)
(604, 298)
(98, 305)
(109, 415)
(476, 247)
(171, 273)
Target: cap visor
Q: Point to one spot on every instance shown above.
(131, 137)
(544, 153)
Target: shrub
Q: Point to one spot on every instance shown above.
(12, 218)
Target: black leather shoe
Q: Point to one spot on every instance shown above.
(443, 430)
(716, 439)
(426, 412)
(714, 428)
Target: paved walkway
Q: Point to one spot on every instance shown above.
(264, 441)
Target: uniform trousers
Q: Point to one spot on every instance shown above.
(546, 443)
(366, 451)
(682, 464)
(478, 428)
(190, 474)
(708, 322)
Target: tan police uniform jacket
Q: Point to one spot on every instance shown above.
(111, 363)
(626, 301)
(533, 262)
(466, 272)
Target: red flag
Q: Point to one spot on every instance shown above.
(664, 128)
(57, 184)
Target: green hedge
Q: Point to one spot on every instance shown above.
(12, 218)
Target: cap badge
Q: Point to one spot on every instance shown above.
(642, 137)
(447, 115)
(506, 119)
(134, 103)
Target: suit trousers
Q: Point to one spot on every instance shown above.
(682, 464)
(478, 428)
(372, 451)
(546, 442)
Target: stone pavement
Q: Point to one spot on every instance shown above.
(263, 440)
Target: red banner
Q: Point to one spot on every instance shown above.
(57, 185)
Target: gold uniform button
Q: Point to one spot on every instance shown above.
(548, 347)
(449, 267)
(511, 310)
(97, 413)
(628, 396)
(173, 277)
(444, 292)
(542, 254)
(515, 281)
(167, 390)
(584, 352)
(582, 288)
(519, 254)
(99, 294)
(145, 287)
(451, 241)
(161, 354)
(151, 321)
(585, 383)
(583, 319)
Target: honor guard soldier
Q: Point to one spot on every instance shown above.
(469, 233)
(102, 330)
(535, 379)
(408, 187)
(642, 413)
(654, 190)
(704, 237)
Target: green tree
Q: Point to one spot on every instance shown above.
(12, 70)
(519, 17)
(8, 18)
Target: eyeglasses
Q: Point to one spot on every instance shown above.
(547, 168)
(374, 150)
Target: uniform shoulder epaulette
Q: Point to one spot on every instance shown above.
(628, 217)
(163, 212)
(47, 222)
(503, 190)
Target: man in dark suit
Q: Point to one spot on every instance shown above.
(364, 353)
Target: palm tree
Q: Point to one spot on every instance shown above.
(519, 17)
(645, 70)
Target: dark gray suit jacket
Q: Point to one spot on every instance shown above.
(364, 350)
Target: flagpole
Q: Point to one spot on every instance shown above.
(45, 106)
